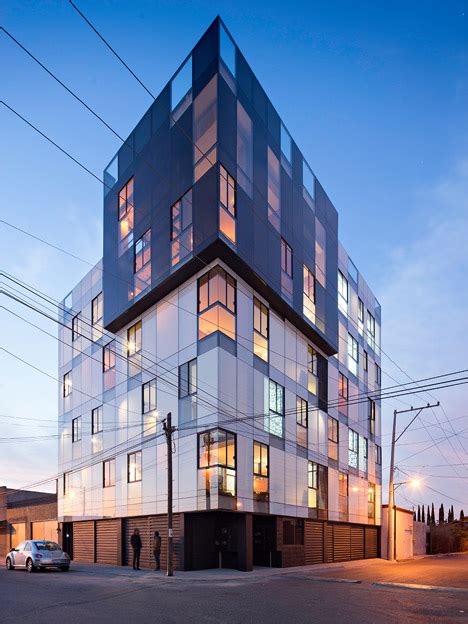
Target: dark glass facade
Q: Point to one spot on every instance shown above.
(222, 118)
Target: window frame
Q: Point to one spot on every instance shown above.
(138, 466)
(67, 384)
(96, 306)
(353, 449)
(137, 330)
(100, 425)
(151, 385)
(109, 353)
(111, 464)
(76, 424)
(191, 388)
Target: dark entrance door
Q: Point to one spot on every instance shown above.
(264, 541)
(67, 538)
(212, 540)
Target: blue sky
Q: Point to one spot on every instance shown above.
(375, 95)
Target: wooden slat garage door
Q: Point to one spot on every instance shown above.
(328, 546)
(357, 542)
(313, 540)
(372, 549)
(83, 541)
(143, 524)
(341, 542)
(107, 542)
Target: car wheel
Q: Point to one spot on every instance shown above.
(9, 565)
(30, 565)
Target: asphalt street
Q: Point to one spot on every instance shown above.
(113, 595)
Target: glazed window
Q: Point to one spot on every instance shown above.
(244, 150)
(308, 301)
(371, 501)
(188, 379)
(96, 309)
(333, 438)
(366, 361)
(66, 483)
(216, 303)
(317, 482)
(217, 459)
(142, 264)
(275, 418)
(67, 384)
(274, 193)
(76, 327)
(352, 354)
(261, 471)
(365, 454)
(181, 90)
(134, 339)
(308, 181)
(301, 422)
(378, 455)
(148, 396)
(312, 370)
(260, 326)
(96, 420)
(108, 473)
(343, 386)
(134, 467)
(293, 532)
(342, 293)
(182, 228)
(286, 270)
(378, 374)
(227, 205)
(370, 330)
(360, 316)
(353, 449)
(108, 356)
(76, 429)
(320, 252)
(372, 417)
(205, 129)
(286, 149)
(126, 217)
(343, 495)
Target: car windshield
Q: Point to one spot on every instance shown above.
(47, 546)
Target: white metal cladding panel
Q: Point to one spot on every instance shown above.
(291, 479)
(186, 459)
(244, 459)
(244, 320)
(343, 446)
(149, 339)
(290, 352)
(207, 379)
(276, 341)
(301, 370)
(134, 498)
(227, 383)
(277, 475)
(161, 476)
(148, 482)
(260, 383)
(333, 505)
(245, 383)
(302, 490)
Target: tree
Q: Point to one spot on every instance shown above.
(428, 516)
(432, 514)
(423, 517)
(452, 514)
(414, 515)
(462, 516)
(441, 514)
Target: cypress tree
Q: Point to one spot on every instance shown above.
(462, 516)
(452, 514)
(432, 514)
(414, 515)
(428, 515)
(441, 514)
(423, 517)
(419, 513)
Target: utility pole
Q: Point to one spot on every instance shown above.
(391, 483)
(169, 430)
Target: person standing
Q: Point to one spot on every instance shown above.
(157, 550)
(135, 541)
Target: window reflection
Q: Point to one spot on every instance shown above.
(261, 329)
(217, 456)
(244, 150)
(205, 129)
(274, 194)
(260, 472)
(126, 217)
(182, 229)
(308, 301)
(216, 303)
(227, 204)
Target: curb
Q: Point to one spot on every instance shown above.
(433, 588)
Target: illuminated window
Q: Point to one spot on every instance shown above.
(108, 473)
(371, 501)
(274, 193)
(148, 396)
(67, 384)
(227, 204)
(365, 454)
(76, 327)
(317, 482)
(182, 228)
(188, 379)
(260, 325)
(343, 495)
(108, 359)
(320, 252)
(353, 449)
(293, 532)
(96, 309)
(76, 429)
(134, 467)
(342, 293)
(216, 303)
(217, 457)
(205, 129)
(308, 302)
(96, 420)
(244, 150)
(342, 386)
(312, 370)
(301, 421)
(126, 217)
(142, 263)
(286, 270)
(134, 339)
(333, 438)
(275, 419)
(261, 471)
(308, 181)
(352, 354)
(371, 417)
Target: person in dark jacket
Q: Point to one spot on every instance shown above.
(135, 541)
(157, 550)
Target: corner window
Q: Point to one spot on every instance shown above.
(96, 309)
(76, 429)
(333, 438)
(352, 354)
(308, 300)
(216, 303)
(227, 205)
(317, 482)
(261, 471)
(142, 264)
(372, 417)
(188, 379)
(343, 289)
(126, 217)
(134, 467)
(108, 356)
(217, 458)
(353, 449)
(274, 191)
(108, 473)
(301, 421)
(76, 327)
(286, 270)
(261, 329)
(275, 418)
(293, 532)
(134, 339)
(181, 229)
(67, 384)
(148, 396)
(96, 420)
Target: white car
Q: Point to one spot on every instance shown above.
(36, 555)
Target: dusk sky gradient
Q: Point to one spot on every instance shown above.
(376, 96)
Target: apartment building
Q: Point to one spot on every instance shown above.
(224, 297)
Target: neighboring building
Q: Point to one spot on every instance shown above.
(26, 515)
(233, 306)
(410, 536)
